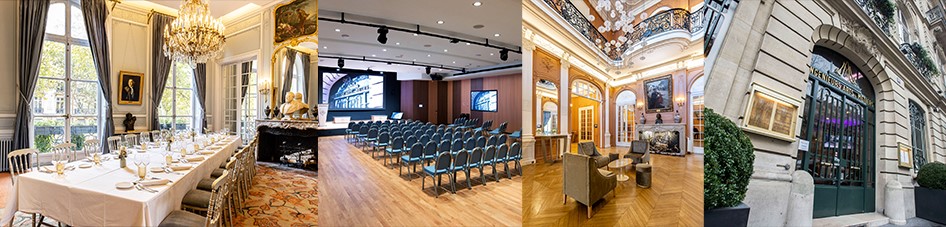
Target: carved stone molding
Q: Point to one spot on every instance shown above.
(289, 124)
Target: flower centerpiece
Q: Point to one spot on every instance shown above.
(122, 156)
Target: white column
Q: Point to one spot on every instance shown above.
(563, 91)
(606, 139)
(528, 138)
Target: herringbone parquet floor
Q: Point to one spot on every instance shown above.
(358, 190)
(675, 197)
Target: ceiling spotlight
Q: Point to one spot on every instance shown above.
(496, 35)
(439, 22)
(341, 63)
(444, 50)
(428, 69)
(338, 30)
(397, 44)
(504, 54)
(383, 34)
(454, 40)
(385, 50)
(477, 3)
(373, 55)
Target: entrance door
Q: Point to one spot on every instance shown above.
(585, 125)
(625, 128)
(840, 129)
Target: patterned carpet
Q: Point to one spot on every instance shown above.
(280, 196)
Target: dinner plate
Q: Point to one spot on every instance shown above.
(124, 185)
(157, 169)
(85, 165)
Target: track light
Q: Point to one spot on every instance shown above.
(383, 34)
(454, 41)
(504, 54)
(428, 70)
(341, 63)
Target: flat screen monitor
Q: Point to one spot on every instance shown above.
(397, 115)
(484, 101)
(349, 91)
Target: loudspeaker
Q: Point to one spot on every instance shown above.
(436, 77)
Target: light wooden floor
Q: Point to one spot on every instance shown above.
(358, 190)
(675, 197)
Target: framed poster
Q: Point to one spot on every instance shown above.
(904, 155)
(659, 94)
(771, 113)
(129, 88)
(296, 19)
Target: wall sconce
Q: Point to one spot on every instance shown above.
(265, 87)
(680, 101)
(640, 105)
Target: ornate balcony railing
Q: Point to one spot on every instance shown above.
(914, 54)
(671, 20)
(935, 14)
(869, 7)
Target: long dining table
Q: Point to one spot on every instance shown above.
(90, 196)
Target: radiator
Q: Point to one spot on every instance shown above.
(6, 146)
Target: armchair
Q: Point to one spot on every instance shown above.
(584, 182)
(639, 152)
(589, 149)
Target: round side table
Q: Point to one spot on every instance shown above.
(621, 164)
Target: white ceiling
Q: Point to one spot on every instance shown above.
(459, 17)
(218, 8)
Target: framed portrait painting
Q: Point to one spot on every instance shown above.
(296, 19)
(129, 88)
(659, 94)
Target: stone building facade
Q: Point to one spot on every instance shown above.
(854, 82)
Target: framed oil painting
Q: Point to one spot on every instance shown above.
(129, 88)
(296, 19)
(659, 93)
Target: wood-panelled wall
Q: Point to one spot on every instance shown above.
(443, 101)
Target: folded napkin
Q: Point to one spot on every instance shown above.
(47, 169)
(195, 158)
(179, 167)
(206, 152)
(153, 182)
(137, 150)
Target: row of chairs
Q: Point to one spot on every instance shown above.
(462, 151)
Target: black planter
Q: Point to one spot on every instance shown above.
(737, 216)
(930, 204)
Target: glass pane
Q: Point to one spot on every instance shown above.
(83, 128)
(56, 19)
(165, 108)
(183, 76)
(183, 103)
(48, 132)
(49, 97)
(83, 68)
(85, 98)
(78, 23)
(183, 124)
(164, 122)
(52, 61)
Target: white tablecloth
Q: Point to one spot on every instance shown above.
(88, 197)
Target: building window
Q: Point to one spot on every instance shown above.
(242, 99)
(298, 78)
(177, 101)
(585, 89)
(66, 101)
(918, 124)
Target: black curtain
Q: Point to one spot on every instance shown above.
(305, 75)
(32, 29)
(95, 13)
(287, 78)
(160, 64)
(200, 83)
(245, 69)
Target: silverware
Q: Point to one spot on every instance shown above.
(158, 178)
(145, 188)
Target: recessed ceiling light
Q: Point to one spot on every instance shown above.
(454, 62)
(477, 3)
(414, 59)
(415, 34)
(444, 50)
(373, 55)
(324, 47)
(428, 55)
(397, 43)
(467, 44)
(496, 35)
(439, 22)
(338, 30)
(490, 54)
(385, 50)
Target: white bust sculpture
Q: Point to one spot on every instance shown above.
(289, 107)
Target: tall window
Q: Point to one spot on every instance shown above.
(298, 78)
(177, 102)
(242, 99)
(67, 97)
(918, 123)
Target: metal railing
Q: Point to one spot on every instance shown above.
(912, 52)
(875, 14)
(677, 19)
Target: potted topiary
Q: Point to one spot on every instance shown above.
(727, 168)
(886, 9)
(931, 194)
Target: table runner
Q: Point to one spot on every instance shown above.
(88, 197)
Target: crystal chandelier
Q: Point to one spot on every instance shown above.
(195, 36)
(617, 16)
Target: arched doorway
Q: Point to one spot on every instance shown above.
(696, 114)
(839, 123)
(586, 106)
(625, 113)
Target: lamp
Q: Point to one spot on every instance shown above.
(265, 86)
(680, 101)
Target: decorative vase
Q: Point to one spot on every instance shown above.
(643, 119)
(268, 111)
(677, 118)
(122, 156)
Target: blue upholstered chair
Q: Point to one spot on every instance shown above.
(515, 156)
(501, 129)
(370, 138)
(492, 141)
(502, 139)
(396, 148)
(476, 161)
(489, 157)
(412, 158)
(481, 141)
(382, 142)
(457, 146)
(430, 152)
(424, 139)
(470, 144)
(436, 172)
(461, 163)
(501, 152)
(444, 147)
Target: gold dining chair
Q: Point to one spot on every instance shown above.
(91, 146)
(114, 143)
(216, 206)
(132, 140)
(23, 161)
(65, 151)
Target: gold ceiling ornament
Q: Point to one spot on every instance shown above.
(194, 36)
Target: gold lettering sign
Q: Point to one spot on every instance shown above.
(772, 114)
(841, 85)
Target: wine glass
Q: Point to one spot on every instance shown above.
(142, 161)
